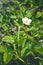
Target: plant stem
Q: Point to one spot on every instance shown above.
(18, 39)
(18, 31)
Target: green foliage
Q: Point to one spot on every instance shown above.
(19, 42)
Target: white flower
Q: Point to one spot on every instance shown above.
(26, 21)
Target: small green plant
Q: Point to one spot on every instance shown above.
(21, 32)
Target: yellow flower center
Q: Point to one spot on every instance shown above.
(26, 21)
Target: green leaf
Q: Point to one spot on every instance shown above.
(7, 57)
(25, 52)
(8, 39)
(38, 49)
(2, 48)
(39, 14)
